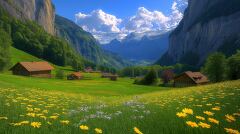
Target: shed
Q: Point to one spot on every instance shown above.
(75, 76)
(33, 69)
(190, 79)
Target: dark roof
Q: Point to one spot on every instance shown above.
(197, 77)
(78, 74)
(35, 66)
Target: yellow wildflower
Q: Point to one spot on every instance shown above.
(208, 113)
(45, 111)
(16, 124)
(53, 117)
(200, 118)
(204, 125)
(98, 130)
(29, 109)
(31, 114)
(43, 117)
(36, 124)
(230, 118)
(84, 127)
(216, 109)
(213, 120)
(181, 115)
(192, 124)
(231, 131)
(3, 118)
(187, 111)
(65, 122)
(137, 131)
(24, 122)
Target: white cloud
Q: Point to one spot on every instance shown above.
(98, 20)
(106, 27)
(146, 20)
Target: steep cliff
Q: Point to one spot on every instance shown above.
(41, 11)
(208, 26)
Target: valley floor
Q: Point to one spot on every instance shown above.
(34, 105)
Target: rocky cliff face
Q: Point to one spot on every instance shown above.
(206, 27)
(41, 11)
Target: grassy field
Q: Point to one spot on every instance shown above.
(60, 106)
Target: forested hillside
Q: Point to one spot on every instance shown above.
(30, 37)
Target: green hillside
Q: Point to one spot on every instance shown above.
(34, 105)
(21, 56)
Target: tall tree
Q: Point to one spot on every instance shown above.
(215, 67)
(5, 43)
(234, 66)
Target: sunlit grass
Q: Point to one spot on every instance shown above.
(31, 105)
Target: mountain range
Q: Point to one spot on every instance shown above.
(140, 48)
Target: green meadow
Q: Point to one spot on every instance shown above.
(97, 105)
(61, 106)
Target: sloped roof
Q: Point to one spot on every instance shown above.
(197, 77)
(78, 74)
(36, 66)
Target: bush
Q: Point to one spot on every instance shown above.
(149, 79)
(60, 74)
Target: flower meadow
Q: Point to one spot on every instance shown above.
(201, 110)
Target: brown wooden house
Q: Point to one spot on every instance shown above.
(33, 69)
(75, 76)
(190, 79)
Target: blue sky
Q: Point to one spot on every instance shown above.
(120, 8)
(115, 19)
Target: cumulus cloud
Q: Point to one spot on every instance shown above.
(146, 20)
(98, 20)
(106, 27)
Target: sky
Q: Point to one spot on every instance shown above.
(115, 19)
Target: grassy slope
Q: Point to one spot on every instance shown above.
(20, 56)
(93, 103)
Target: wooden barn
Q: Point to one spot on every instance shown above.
(33, 69)
(190, 79)
(75, 76)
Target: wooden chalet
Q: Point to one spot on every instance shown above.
(190, 79)
(33, 69)
(75, 76)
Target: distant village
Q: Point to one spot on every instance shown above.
(44, 70)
